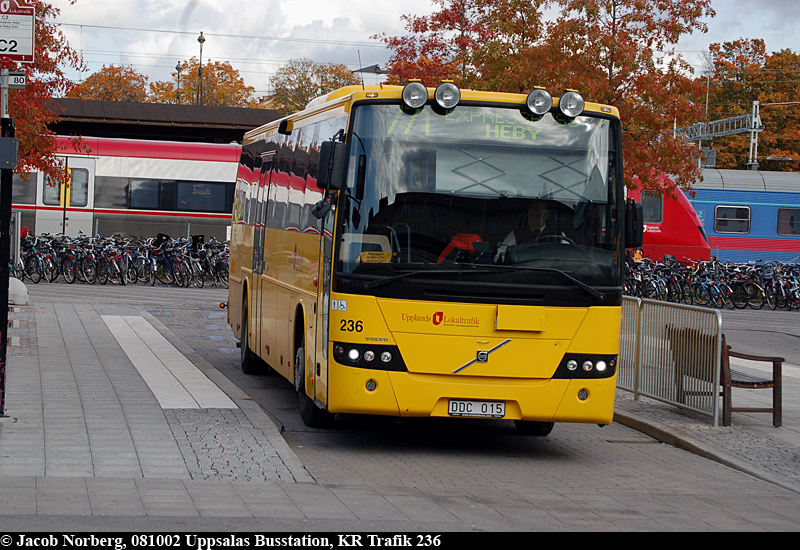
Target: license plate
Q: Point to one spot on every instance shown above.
(486, 409)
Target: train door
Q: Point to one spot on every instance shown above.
(67, 206)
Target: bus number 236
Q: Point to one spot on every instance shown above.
(348, 325)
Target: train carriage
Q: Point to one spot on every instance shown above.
(133, 188)
(750, 215)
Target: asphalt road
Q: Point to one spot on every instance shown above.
(583, 476)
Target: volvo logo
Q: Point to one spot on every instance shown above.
(482, 357)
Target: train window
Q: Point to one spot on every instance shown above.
(653, 206)
(144, 194)
(788, 221)
(51, 194)
(79, 188)
(201, 197)
(110, 192)
(732, 219)
(24, 190)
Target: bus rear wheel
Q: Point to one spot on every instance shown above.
(530, 427)
(312, 416)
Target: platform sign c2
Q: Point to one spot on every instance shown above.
(17, 30)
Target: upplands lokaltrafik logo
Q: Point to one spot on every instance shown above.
(437, 318)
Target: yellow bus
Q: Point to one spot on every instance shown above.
(420, 252)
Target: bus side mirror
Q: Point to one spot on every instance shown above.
(634, 224)
(332, 157)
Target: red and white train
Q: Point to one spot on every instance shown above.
(133, 188)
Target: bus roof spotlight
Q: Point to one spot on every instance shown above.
(539, 101)
(571, 104)
(447, 95)
(415, 94)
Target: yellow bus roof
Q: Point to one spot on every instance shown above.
(351, 94)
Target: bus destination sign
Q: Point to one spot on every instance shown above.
(17, 26)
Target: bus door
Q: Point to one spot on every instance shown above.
(67, 205)
(259, 232)
(324, 307)
(266, 288)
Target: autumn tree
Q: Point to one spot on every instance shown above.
(741, 72)
(31, 108)
(301, 80)
(440, 46)
(619, 52)
(113, 83)
(222, 86)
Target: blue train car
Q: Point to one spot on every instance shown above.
(750, 215)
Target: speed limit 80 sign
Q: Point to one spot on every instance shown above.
(17, 27)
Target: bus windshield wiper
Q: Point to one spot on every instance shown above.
(392, 278)
(580, 284)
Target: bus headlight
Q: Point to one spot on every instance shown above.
(447, 95)
(571, 104)
(415, 94)
(539, 101)
(575, 366)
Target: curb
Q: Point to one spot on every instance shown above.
(662, 433)
(257, 417)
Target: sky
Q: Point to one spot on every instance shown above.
(257, 36)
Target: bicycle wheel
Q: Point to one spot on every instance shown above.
(769, 297)
(700, 294)
(68, 270)
(739, 295)
(102, 271)
(198, 274)
(222, 274)
(142, 267)
(88, 270)
(686, 293)
(782, 297)
(674, 292)
(727, 295)
(716, 296)
(755, 296)
(50, 269)
(183, 273)
(794, 299)
(34, 269)
(162, 272)
(19, 271)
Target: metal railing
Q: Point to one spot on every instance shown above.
(671, 353)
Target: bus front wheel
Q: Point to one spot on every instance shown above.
(529, 427)
(312, 416)
(251, 363)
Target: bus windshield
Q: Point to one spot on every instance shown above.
(482, 195)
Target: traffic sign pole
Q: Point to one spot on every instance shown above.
(7, 140)
(17, 44)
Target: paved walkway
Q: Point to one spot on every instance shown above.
(106, 417)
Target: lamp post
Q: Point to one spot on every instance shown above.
(178, 92)
(200, 39)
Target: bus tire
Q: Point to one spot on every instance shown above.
(530, 427)
(312, 416)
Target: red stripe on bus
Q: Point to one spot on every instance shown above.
(747, 243)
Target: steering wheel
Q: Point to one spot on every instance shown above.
(553, 238)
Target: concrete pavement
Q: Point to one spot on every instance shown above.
(91, 432)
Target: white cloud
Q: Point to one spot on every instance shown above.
(156, 53)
